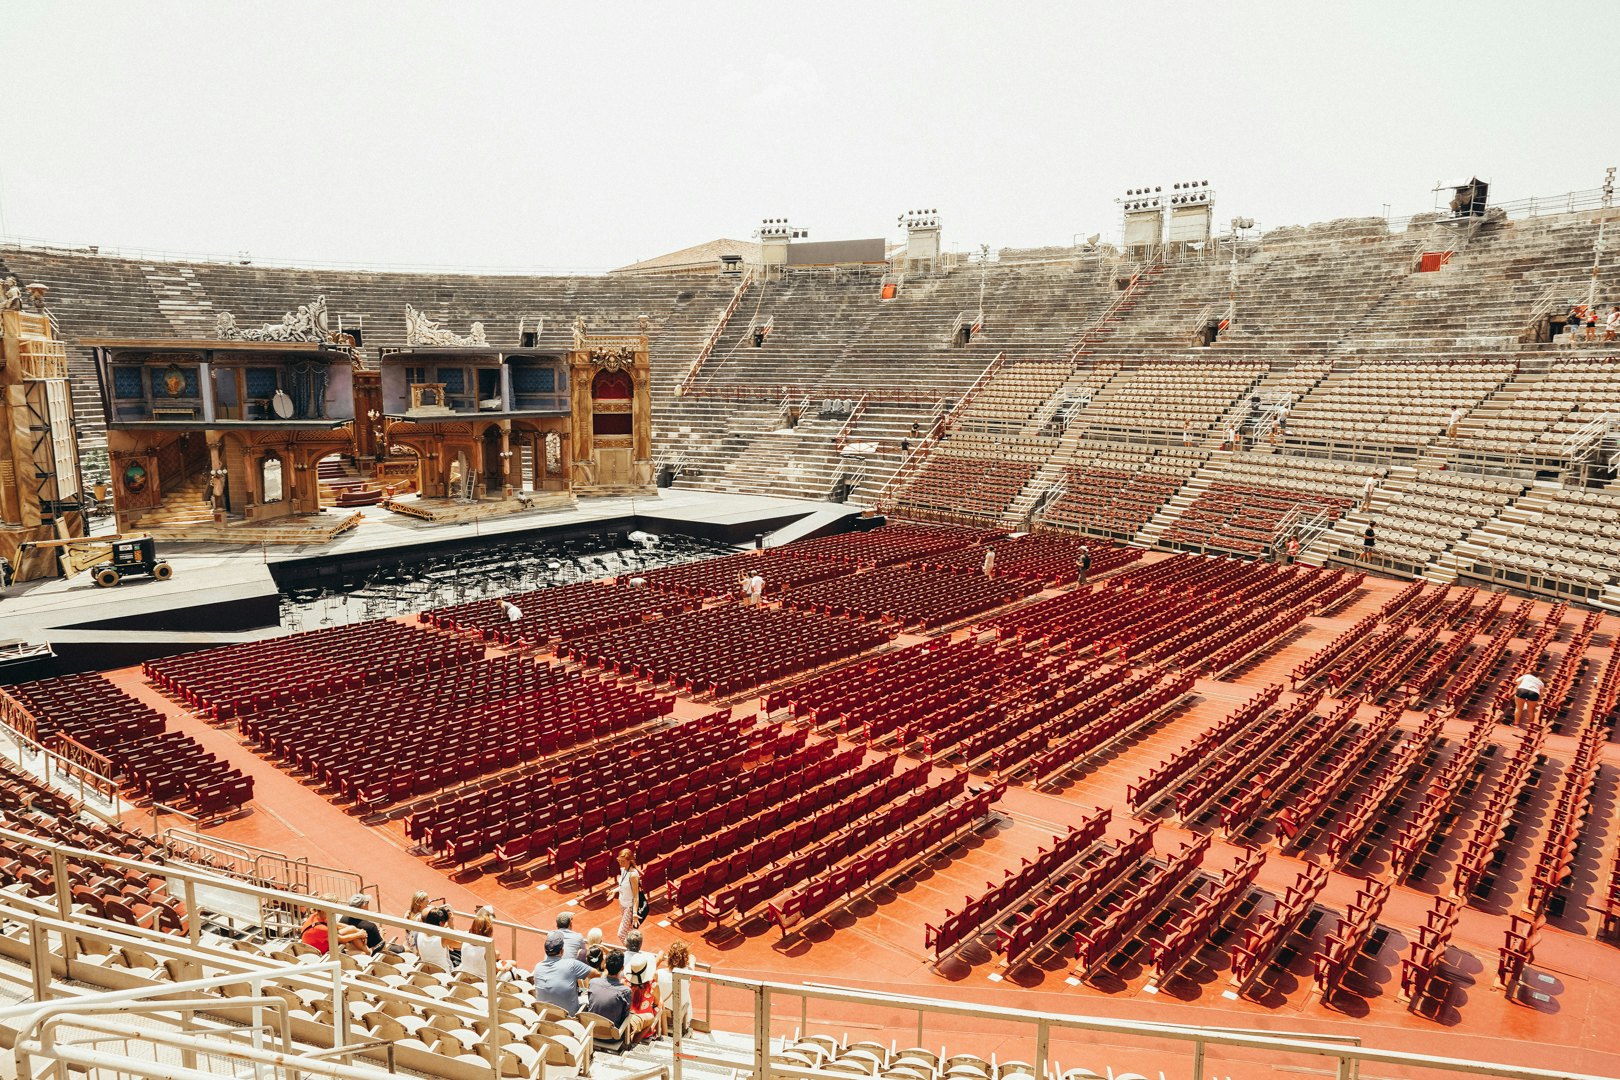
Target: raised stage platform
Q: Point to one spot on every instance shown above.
(225, 592)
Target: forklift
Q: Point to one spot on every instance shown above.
(112, 558)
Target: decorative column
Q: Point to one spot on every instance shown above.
(216, 476)
(506, 459)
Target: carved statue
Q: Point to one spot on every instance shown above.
(421, 330)
(580, 330)
(11, 296)
(308, 323)
(644, 322)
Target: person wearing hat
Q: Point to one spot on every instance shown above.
(557, 978)
(639, 972)
(374, 938)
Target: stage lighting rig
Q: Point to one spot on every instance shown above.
(779, 229)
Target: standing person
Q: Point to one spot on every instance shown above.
(1591, 323)
(1527, 700)
(756, 588)
(1186, 433)
(1612, 327)
(1367, 490)
(1368, 539)
(630, 897)
(1451, 424)
(1082, 565)
(1293, 548)
(990, 562)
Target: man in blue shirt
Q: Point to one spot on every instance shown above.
(557, 977)
(573, 941)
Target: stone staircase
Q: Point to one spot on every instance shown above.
(1345, 535)
(1184, 497)
(184, 504)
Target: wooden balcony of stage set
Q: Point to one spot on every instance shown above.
(223, 384)
(441, 382)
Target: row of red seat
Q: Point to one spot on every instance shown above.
(545, 807)
(1464, 625)
(1247, 751)
(1108, 928)
(732, 883)
(1201, 749)
(915, 839)
(1297, 823)
(1016, 886)
(1276, 781)
(1224, 901)
(783, 569)
(1557, 696)
(1490, 827)
(1332, 962)
(728, 852)
(1039, 557)
(1528, 663)
(726, 650)
(1265, 935)
(558, 613)
(1424, 831)
(1428, 951)
(1556, 859)
(905, 597)
(1034, 688)
(130, 743)
(1245, 518)
(902, 541)
(874, 697)
(1073, 743)
(1466, 681)
(1111, 500)
(235, 680)
(1379, 794)
(447, 726)
(979, 487)
(1103, 869)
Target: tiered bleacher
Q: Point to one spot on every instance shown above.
(92, 722)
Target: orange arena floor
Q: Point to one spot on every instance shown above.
(1567, 1023)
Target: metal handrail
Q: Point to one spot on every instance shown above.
(761, 1066)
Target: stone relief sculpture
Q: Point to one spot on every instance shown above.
(10, 296)
(421, 330)
(308, 323)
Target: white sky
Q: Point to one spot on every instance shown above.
(589, 135)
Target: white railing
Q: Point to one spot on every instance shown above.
(769, 1007)
(1581, 444)
(841, 439)
(715, 334)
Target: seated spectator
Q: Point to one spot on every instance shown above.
(633, 952)
(640, 973)
(419, 904)
(573, 941)
(609, 997)
(678, 955)
(374, 938)
(594, 955)
(317, 935)
(557, 978)
(430, 947)
(474, 954)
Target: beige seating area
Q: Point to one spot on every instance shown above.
(1567, 544)
(1395, 406)
(1432, 513)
